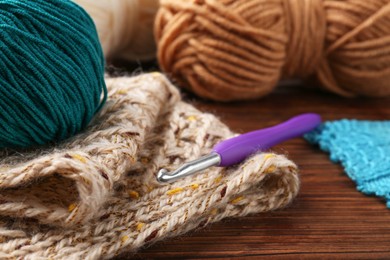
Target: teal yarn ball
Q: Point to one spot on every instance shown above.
(51, 72)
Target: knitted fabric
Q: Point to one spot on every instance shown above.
(96, 195)
(362, 148)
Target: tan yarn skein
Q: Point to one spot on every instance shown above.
(239, 49)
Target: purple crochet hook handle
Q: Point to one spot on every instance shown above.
(236, 149)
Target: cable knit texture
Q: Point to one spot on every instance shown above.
(96, 195)
(363, 150)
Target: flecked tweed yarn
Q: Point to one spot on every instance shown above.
(362, 148)
(101, 184)
(51, 71)
(239, 49)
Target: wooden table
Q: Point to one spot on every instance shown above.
(328, 219)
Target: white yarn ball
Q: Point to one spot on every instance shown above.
(125, 27)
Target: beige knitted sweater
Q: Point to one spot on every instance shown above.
(95, 195)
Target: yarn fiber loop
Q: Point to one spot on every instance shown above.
(51, 71)
(228, 50)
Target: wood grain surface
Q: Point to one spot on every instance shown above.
(329, 219)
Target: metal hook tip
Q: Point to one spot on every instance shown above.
(189, 168)
(161, 175)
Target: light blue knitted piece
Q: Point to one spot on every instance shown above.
(362, 148)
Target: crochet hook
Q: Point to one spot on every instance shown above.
(236, 149)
